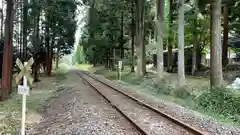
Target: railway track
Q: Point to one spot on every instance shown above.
(146, 119)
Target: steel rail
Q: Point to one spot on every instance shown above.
(174, 120)
(114, 106)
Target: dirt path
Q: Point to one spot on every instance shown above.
(81, 111)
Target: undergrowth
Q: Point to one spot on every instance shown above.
(221, 101)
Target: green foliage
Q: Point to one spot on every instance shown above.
(102, 31)
(151, 49)
(62, 70)
(181, 92)
(59, 18)
(79, 56)
(162, 87)
(220, 100)
(108, 28)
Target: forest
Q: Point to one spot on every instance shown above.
(175, 35)
(184, 39)
(42, 29)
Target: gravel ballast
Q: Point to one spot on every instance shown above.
(81, 111)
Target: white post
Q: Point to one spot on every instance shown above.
(24, 104)
(119, 68)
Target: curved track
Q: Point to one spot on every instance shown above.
(111, 94)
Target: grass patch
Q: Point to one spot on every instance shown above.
(10, 110)
(86, 67)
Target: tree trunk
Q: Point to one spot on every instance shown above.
(49, 61)
(36, 49)
(133, 36)
(50, 56)
(57, 57)
(133, 58)
(160, 27)
(216, 48)
(195, 46)
(21, 31)
(112, 58)
(225, 37)
(181, 67)
(169, 68)
(7, 55)
(107, 58)
(121, 40)
(11, 47)
(25, 28)
(198, 54)
(47, 44)
(140, 47)
(140, 71)
(211, 33)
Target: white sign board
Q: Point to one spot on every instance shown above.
(23, 90)
(120, 64)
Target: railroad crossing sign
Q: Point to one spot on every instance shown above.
(24, 89)
(24, 70)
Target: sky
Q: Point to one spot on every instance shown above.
(80, 15)
(1, 5)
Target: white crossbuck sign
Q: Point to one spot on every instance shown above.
(24, 70)
(24, 89)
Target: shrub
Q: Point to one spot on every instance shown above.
(181, 92)
(62, 69)
(162, 87)
(220, 100)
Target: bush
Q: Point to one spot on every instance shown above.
(181, 92)
(220, 100)
(162, 87)
(62, 69)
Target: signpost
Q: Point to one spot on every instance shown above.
(24, 89)
(119, 68)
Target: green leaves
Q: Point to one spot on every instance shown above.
(79, 55)
(63, 23)
(220, 100)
